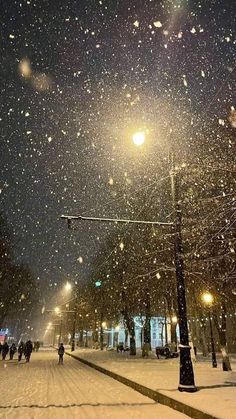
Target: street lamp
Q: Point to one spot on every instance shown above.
(186, 379)
(208, 299)
(59, 313)
(98, 285)
(68, 287)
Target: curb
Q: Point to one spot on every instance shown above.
(190, 411)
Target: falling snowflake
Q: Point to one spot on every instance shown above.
(122, 246)
(185, 81)
(157, 24)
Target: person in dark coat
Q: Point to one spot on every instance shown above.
(21, 349)
(0, 348)
(37, 346)
(5, 350)
(61, 351)
(12, 350)
(28, 350)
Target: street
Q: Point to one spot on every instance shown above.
(44, 389)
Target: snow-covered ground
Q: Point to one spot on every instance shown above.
(217, 388)
(44, 389)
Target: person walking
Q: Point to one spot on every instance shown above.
(21, 348)
(61, 351)
(12, 350)
(28, 350)
(5, 350)
(37, 346)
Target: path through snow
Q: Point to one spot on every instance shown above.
(44, 389)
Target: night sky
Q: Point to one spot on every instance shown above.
(77, 78)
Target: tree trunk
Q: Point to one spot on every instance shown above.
(203, 340)
(132, 338)
(81, 337)
(173, 336)
(131, 329)
(222, 338)
(126, 337)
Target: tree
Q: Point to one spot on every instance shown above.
(19, 294)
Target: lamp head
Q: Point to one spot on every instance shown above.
(207, 298)
(138, 138)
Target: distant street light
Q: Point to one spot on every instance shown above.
(59, 313)
(68, 287)
(208, 299)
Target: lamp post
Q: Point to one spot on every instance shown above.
(60, 332)
(186, 376)
(73, 332)
(98, 285)
(208, 299)
(68, 287)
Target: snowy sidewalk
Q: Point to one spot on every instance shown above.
(217, 388)
(42, 389)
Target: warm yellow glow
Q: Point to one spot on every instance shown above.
(68, 286)
(57, 310)
(49, 324)
(207, 298)
(138, 138)
(104, 324)
(174, 319)
(117, 328)
(25, 68)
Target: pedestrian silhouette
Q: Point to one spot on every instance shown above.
(28, 350)
(12, 350)
(5, 350)
(61, 351)
(21, 348)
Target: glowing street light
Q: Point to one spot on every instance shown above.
(68, 287)
(57, 310)
(186, 377)
(138, 138)
(208, 299)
